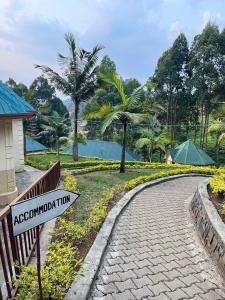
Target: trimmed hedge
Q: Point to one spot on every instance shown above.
(217, 184)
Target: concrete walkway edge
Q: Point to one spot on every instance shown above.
(81, 286)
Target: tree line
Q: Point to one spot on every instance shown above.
(183, 98)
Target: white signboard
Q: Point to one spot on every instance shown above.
(30, 213)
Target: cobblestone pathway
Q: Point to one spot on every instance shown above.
(154, 252)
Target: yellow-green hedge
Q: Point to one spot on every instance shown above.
(217, 184)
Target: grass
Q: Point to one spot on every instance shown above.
(93, 185)
(52, 157)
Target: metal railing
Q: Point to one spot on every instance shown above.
(17, 250)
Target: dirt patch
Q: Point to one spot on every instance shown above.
(217, 201)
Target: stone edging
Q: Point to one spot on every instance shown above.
(210, 227)
(81, 286)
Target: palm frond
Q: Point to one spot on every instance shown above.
(70, 39)
(221, 137)
(135, 98)
(102, 112)
(135, 117)
(59, 82)
(109, 119)
(111, 77)
(142, 142)
(217, 126)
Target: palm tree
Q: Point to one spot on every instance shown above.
(151, 141)
(56, 127)
(79, 78)
(125, 112)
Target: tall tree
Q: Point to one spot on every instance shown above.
(207, 72)
(78, 80)
(170, 82)
(125, 112)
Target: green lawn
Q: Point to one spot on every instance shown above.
(93, 185)
(52, 157)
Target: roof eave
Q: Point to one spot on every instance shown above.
(18, 115)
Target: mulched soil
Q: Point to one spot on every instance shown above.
(217, 200)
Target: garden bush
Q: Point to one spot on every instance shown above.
(217, 184)
(60, 268)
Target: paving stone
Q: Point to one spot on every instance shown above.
(192, 290)
(177, 295)
(143, 263)
(115, 261)
(107, 297)
(126, 295)
(190, 279)
(161, 296)
(156, 278)
(113, 269)
(140, 282)
(206, 285)
(126, 275)
(142, 272)
(174, 284)
(172, 274)
(159, 288)
(142, 292)
(107, 288)
(110, 278)
(211, 295)
(125, 285)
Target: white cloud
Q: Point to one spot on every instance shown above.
(175, 28)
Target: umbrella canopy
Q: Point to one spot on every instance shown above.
(191, 154)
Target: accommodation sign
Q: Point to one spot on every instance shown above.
(30, 213)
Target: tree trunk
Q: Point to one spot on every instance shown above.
(217, 148)
(201, 128)
(75, 142)
(206, 131)
(122, 163)
(57, 147)
(151, 155)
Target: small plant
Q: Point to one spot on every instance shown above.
(59, 270)
(69, 231)
(217, 184)
(70, 182)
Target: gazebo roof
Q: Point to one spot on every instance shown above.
(191, 154)
(11, 105)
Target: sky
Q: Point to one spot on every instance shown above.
(134, 32)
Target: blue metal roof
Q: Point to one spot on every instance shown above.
(34, 146)
(103, 149)
(11, 103)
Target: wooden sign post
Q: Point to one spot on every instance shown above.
(31, 213)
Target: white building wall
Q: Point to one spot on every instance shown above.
(18, 144)
(8, 190)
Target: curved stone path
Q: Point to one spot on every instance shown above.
(154, 252)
